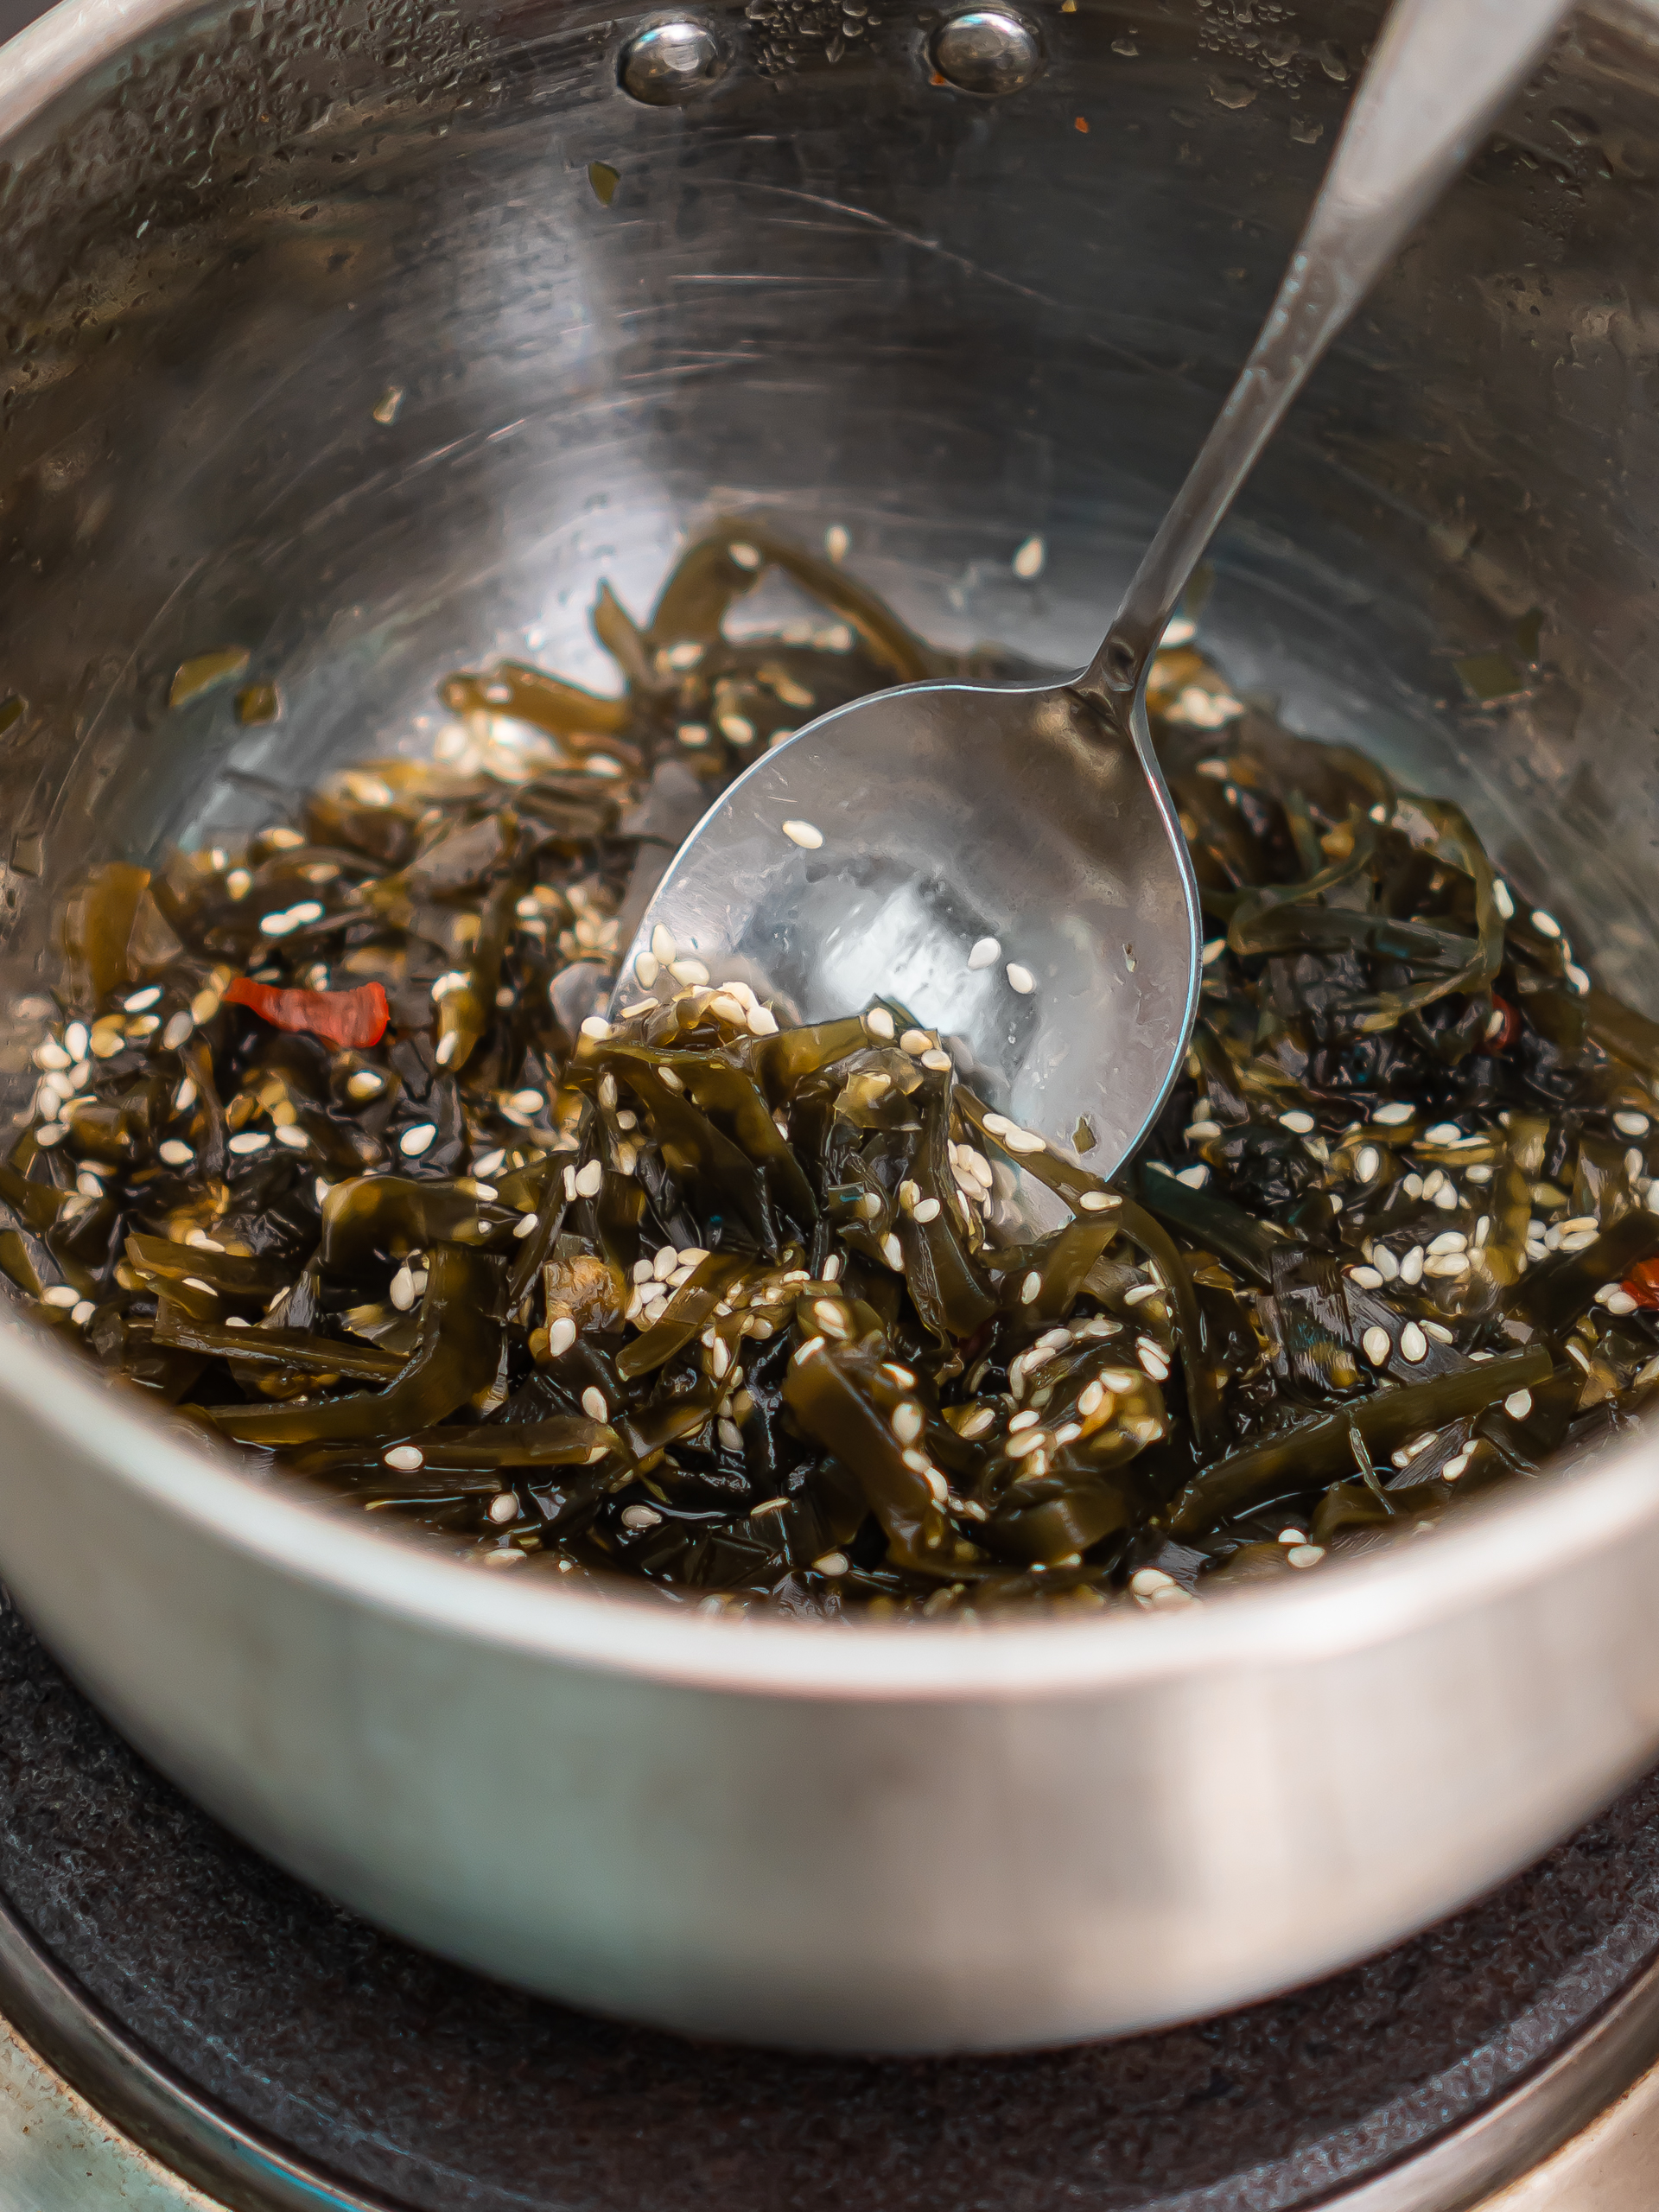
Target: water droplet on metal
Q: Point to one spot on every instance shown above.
(988, 50)
(671, 62)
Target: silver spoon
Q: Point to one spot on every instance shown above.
(1006, 862)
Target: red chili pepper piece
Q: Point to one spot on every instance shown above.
(1643, 1284)
(348, 1017)
(1506, 1035)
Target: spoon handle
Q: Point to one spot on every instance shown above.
(1440, 73)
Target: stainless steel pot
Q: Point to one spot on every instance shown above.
(829, 286)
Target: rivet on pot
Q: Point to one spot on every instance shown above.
(671, 62)
(987, 50)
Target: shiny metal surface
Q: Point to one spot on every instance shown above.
(872, 852)
(824, 295)
(988, 50)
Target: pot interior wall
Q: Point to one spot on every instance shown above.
(836, 292)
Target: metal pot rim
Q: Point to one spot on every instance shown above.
(1505, 1550)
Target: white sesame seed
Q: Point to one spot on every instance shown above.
(831, 1563)
(892, 1251)
(1631, 1125)
(1194, 1177)
(174, 1152)
(1411, 1267)
(1443, 1336)
(1376, 1345)
(1293, 1536)
(1019, 1140)
(806, 834)
(1020, 979)
(593, 1405)
(1028, 561)
(249, 1140)
(1501, 899)
(81, 1313)
(561, 1335)
(405, 1458)
(505, 1507)
(142, 1001)
(1367, 1278)
(907, 1421)
(1449, 1240)
(1305, 1555)
(1413, 1345)
(418, 1140)
(1299, 1124)
(1152, 1359)
(1620, 1301)
(925, 1209)
(590, 1180)
(829, 1317)
(664, 944)
(1390, 1116)
(1021, 1444)
(61, 1294)
(1578, 1240)
(510, 1555)
(1545, 924)
(1442, 1133)
(879, 1022)
(1212, 951)
(745, 555)
(976, 1423)
(986, 950)
(1098, 1201)
(640, 1516)
(51, 1054)
(1146, 1579)
(1518, 1404)
(365, 1084)
(292, 1136)
(1030, 1287)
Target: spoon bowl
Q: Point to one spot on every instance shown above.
(1002, 862)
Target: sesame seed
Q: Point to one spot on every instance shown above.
(977, 1423)
(745, 555)
(1376, 1345)
(413, 1143)
(829, 1317)
(141, 1001)
(1152, 1359)
(1411, 1267)
(80, 1314)
(831, 1563)
(292, 1136)
(915, 1042)
(925, 1209)
(590, 1180)
(768, 1505)
(1020, 979)
(1393, 1114)
(1194, 1177)
(365, 1084)
(1299, 1124)
(1098, 1201)
(510, 1555)
(405, 1458)
(892, 1252)
(249, 1140)
(561, 1335)
(1620, 1301)
(1019, 1140)
(1028, 561)
(806, 834)
(1631, 1125)
(1021, 1446)
(1518, 1404)
(175, 1154)
(985, 951)
(1545, 924)
(664, 944)
(593, 1405)
(1442, 1133)
(1367, 1278)
(1148, 1580)
(1449, 1240)
(595, 1026)
(1413, 1345)
(1030, 1287)
(505, 1507)
(1212, 951)
(640, 1516)
(1305, 1555)
(63, 1294)
(907, 1421)
(879, 1022)
(52, 1055)
(1455, 1465)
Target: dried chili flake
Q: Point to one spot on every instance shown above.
(1643, 1284)
(350, 1019)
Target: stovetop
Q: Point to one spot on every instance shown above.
(280, 2052)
